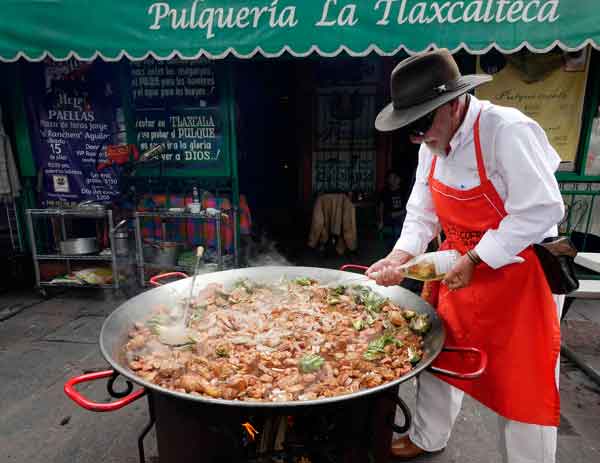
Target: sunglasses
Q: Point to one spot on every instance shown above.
(421, 125)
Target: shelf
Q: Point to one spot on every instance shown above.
(104, 214)
(179, 268)
(74, 285)
(73, 257)
(182, 215)
(170, 267)
(92, 214)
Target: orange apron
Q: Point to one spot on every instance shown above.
(509, 313)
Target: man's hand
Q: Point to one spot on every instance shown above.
(385, 272)
(461, 274)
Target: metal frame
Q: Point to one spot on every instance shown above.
(141, 264)
(14, 226)
(590, 106)
(73, 213)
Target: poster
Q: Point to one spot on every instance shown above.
(71, 108)
(177, 104)
(347, 171)
(344, 139)
(345, 118)
(549, 88)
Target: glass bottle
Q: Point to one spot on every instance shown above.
(195, 206)
(431, 265)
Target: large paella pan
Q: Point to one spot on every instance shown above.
(116, 334)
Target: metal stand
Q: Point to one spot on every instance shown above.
(146, 430)
(71, 213)
(592, 373)
(142, 264)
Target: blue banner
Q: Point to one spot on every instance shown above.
(71, 107)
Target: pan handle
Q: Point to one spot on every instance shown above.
(470, 375)
(353, 267)
(407, 416)
(155, 280)
(80, 400)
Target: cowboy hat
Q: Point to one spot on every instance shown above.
(422, 83)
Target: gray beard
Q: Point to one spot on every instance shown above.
(437, 153)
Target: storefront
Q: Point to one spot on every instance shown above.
(275, 100)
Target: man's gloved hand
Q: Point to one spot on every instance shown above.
(386, 271)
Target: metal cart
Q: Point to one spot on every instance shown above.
(167, 215)
(62, 214)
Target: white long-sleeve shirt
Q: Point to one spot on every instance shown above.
(519, 161)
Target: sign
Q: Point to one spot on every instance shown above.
(178, 104)
(346, 171)
(71, 111)
(549, 88)
(344, 138)
(345, 118)
(244, 28)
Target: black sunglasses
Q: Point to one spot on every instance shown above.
(421, 125)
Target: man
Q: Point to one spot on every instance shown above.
(486, 178)
(391, 207)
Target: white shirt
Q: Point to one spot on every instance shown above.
(519, 161)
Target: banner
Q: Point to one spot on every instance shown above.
(71, 109)
(180, 105)
(216, 28)
(549, 88)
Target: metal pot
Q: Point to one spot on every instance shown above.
(79, 246)
(115, 330)
(162, 252)
(121, 239)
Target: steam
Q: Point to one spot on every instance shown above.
(263, 252)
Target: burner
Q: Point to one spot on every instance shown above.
(350, 431)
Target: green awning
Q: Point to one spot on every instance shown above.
(136, 29)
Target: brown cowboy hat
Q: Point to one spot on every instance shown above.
(422, 83)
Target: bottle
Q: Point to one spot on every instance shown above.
(121, 135)
(431, 265)
(195, 207)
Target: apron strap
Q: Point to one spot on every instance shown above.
(480, 165)
(432, 170)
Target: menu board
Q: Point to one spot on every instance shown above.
(71, 109)
(179, 104)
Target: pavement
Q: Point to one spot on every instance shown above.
(44, 342)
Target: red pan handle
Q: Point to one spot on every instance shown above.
(470, 375)
(353, 267)
(94, 406)
(155, 280)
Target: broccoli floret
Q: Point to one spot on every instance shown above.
(413, 355)
(310, 363)
(408, 314)
(358, 324)
(376, 348)
(420, 324)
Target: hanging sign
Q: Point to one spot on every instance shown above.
(71, 112)
(243, 28)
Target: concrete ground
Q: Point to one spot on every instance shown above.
(45, 342)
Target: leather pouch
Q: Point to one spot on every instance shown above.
(557, 257)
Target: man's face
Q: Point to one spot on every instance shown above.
(438, 136)
(393, 181)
